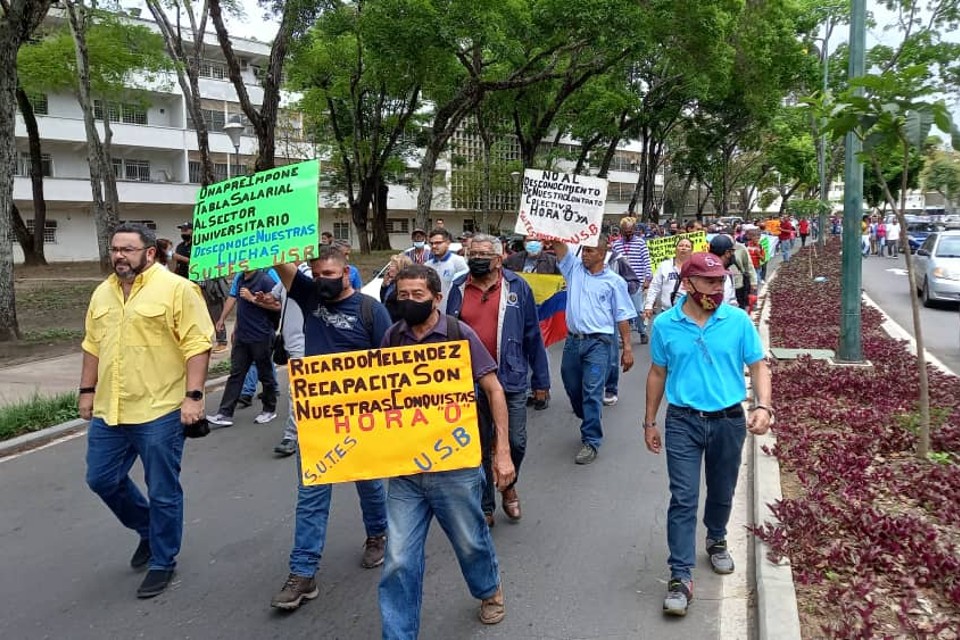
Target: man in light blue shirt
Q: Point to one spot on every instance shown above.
(598, 307)
(698, 352)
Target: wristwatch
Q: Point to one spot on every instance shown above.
(194, 395)
(766, 408)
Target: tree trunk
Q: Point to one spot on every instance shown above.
(18, 20)
(425, 196)
(923, 437)
(381, 239)
(104, 217)
(360, 211)
(607, 160)
(33, 252)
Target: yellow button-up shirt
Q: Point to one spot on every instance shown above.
(143, 343)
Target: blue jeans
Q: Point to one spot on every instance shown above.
(638, 323)
(688, 439)
(313, 510)
(517, 417)
(412, 502)
(111, 452)
(612, 385)
(250, 382)
(586, 363)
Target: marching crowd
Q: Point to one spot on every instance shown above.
(149, 335)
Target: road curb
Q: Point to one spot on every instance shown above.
(777, 614)
(897, 332)
(39, 438)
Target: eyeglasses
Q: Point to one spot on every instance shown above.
(126, 251)
(484, 254)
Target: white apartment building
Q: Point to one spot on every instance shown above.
(156, 162)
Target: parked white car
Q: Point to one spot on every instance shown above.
(937, 270)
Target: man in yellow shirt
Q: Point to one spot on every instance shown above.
(145, 354)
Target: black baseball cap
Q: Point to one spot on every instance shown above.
(720, 244)
(185, 225)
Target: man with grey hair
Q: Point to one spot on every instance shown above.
(145, 355)
(500, 307)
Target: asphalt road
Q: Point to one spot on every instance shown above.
(588, 560)
(885, 280)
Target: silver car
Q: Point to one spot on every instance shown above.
(938, 268)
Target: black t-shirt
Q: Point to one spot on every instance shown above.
(184, 249)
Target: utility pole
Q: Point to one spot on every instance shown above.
(822, 156)
(851, 339)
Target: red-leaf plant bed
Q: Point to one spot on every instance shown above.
(872, 533)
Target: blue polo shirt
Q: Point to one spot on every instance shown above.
(595, 302)
(705, 366)
(254, 323)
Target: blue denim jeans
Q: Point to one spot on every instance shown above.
(250, 382)
(688, 439)
(612, 385)
(517, 416)
(111, 452)
(586, 363)
(313, 510)
(638, 323)
(412, 502)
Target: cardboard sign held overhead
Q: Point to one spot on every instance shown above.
(380, 413)
(256, 221)
(562, 206)
(666, 247)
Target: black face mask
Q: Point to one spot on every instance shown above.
(187, 237)
(414, 312)
(328, 288)
(479, 267)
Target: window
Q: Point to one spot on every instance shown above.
(137, 170)
(468, 225)
(341, 231)
(128, 113)
(196, 172)
(398, 225)
(211, 69)
(149, 224)
(49, 230)
(23, 165)
(39, 103)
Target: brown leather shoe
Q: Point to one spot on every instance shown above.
(511, 504)
(492, 610)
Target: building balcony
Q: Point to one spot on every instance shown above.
(77, 190)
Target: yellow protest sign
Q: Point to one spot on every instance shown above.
(379, 413)
(666, 247)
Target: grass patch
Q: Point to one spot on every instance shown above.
(52, 335)
(222, 368)
(36, 413)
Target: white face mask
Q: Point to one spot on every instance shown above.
(169, 255)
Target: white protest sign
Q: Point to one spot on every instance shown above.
(562, 206)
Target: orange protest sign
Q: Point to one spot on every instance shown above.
(379, 413)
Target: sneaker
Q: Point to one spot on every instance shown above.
(610, 399)
(679, 596)
(141, 556)
(220, 420)
(373, 549)
(720, 558)
(492, 610)
(287, 447)
(265, 417)
(244, 401)
(295, 590)
(155, 582)
(586, 455)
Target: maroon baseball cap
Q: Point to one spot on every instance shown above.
(706, 265)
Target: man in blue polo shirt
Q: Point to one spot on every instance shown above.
(448, 265)
(698, 352)
(598, 306)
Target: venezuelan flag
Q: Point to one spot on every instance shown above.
(550, 294)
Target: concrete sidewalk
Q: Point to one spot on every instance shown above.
(50, 376)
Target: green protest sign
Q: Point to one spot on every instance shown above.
(256, 221)
(666, 247)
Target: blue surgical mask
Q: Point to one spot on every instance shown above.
(418, 244)
(533, 247)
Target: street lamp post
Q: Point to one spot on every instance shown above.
(233, 129)
(851, 347)
(822, 159)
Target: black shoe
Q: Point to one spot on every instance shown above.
(155, 582)
(644, 338)
(141, 556)
(530, 401)
(244, 401)
(540, 405)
